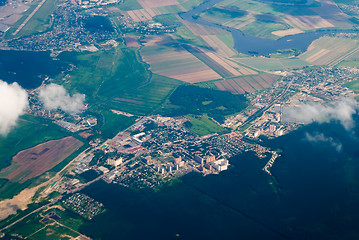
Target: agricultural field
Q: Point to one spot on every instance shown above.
(329, 50)
(248, 84)
(273, 21)
(271, 64)
(203, 125)
(175, 62)
(143, 10)
(29, 132)
(39, 22)
(117, 79)
(34, 161)
(63, 224)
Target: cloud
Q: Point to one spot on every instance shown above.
(54, 96)
(13, 103)
(321, 138)
(342, 111)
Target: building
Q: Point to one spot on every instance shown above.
(148, 160)
(114, 162)
(220, 165)
(210, 159)
(199, 159)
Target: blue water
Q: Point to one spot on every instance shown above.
(313, 195)
(28, 68)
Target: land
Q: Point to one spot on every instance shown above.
(164, 96)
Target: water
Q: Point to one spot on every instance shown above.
(28, 68)
(313, 195)
(254, 45)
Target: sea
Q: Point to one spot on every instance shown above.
(313, 193)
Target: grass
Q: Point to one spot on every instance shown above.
(354, 85)
(204, 125)
(113, 123)
(273, 64)
(349, 63)
(39, 22)
(128, 5)
(54, 232)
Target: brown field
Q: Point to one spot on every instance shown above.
(139, 15)
(240, 85)
(228, 87)
(328, 50)
(253, 83)
(236, 86)
(261, 81)
(176, 62)
(131, 42)
(221, 49)
(199, 30)
(282, 33)
(33, 162)
(307, 22)
(157, 3)
(332, 13)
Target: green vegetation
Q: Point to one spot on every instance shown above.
(273, 64)
(39, 22)
(191, 99)
(117, 79)
(349, 63)
(114, 123)
(354, 85)
(127, 5)
(166, 19)
(29, 132)
(203, 125)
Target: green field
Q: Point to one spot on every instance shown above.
(113, 123)
(204, 125)
(118, 80)
(273, 64)
(39, 22)
(354, 85)
(127, 5)
(29, 132)
(33, 228)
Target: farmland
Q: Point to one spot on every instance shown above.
(327, 50)
(272, 64)
(248, 84)
(39, 22)
(34, 161)
(119, 79)
(273, 21)
(175, 62)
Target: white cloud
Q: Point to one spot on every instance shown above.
(13, 103)
(320, 137)
(342, 111)
(54, 96)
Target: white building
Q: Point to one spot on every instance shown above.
(220, 165)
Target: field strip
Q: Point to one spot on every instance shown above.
(337, 61)
(28, 17)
